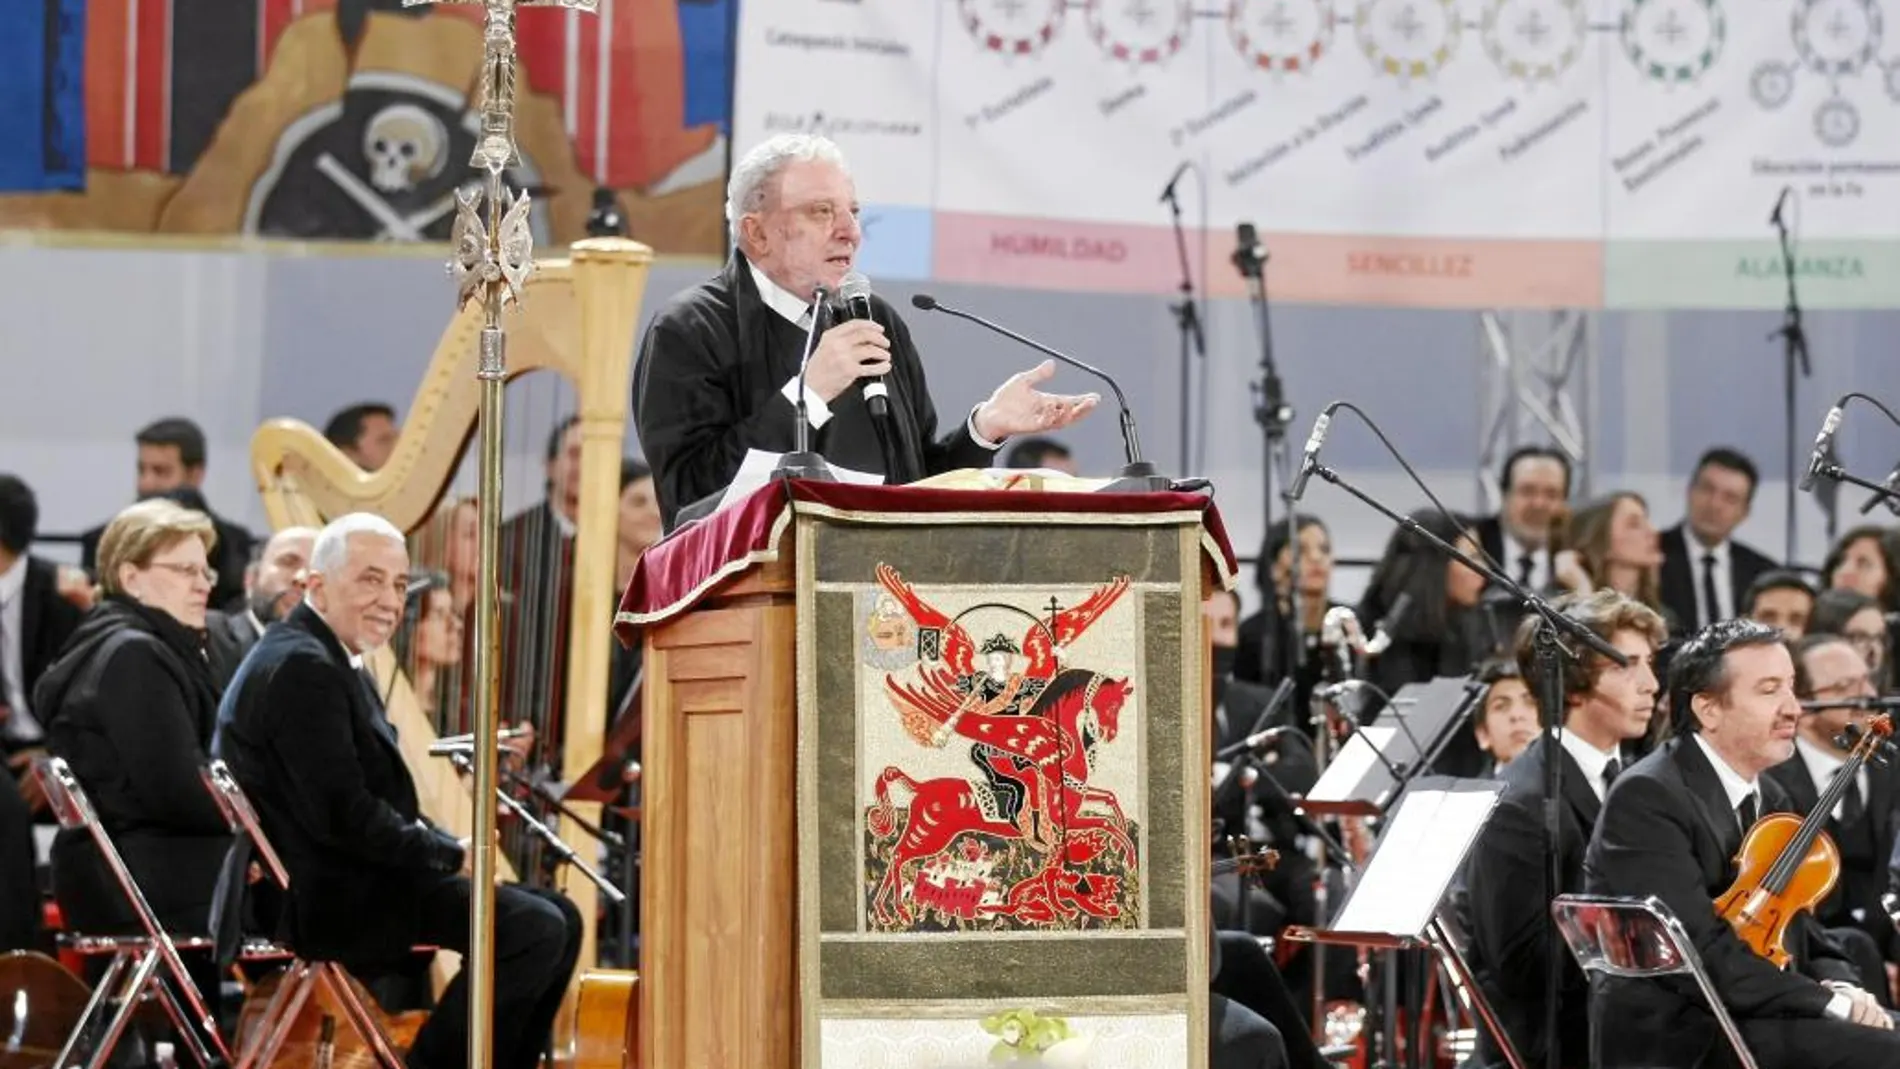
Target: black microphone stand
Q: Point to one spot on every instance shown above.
(1883, 492)
(1187, 318)
(563, 853)
(802, 462)
(1551, 655)
(1273, 414)
(1794, 339)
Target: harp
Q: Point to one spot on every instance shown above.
(577, 319)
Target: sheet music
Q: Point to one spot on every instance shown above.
(1417, 856)
(757, 468)
(1354, 760)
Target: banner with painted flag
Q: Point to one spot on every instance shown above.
(42, 79)
(354, 118)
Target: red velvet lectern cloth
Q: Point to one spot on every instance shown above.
(672, 576)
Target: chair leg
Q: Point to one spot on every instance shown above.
(183, 984)
(304, 982)
(361, 1019)
(174, 1009)
(135, 984)
(90, 1018)
(247, 1052)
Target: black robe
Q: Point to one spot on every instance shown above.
(709, 382)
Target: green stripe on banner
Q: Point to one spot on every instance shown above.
(1750, 274)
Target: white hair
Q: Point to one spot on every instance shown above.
(746, 189)
(333, 542)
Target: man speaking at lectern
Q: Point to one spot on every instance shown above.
(717, 370)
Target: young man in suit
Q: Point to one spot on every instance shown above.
(1828, 668)
(1605, 705)
(1671, 828)
(38, 612)
(1705, 573)
(307, 739)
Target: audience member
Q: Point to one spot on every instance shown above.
(1705, 573)
(1535, 482)
(1780, 598)
(366, 433)
(1040, 452)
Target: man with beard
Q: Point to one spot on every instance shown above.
(271, 591)
(1508, 897)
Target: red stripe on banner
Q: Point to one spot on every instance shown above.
(108, 27)
(587, 112)
(541, 42)
(273, 18)
(649, 95)
(152, 99)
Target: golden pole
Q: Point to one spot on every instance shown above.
(493, 258)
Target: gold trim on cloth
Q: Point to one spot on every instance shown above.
(724, 572)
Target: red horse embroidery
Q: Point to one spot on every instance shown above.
(1076, 712)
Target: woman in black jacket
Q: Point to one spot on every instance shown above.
(131, 704)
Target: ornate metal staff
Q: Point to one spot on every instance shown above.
(493, 258)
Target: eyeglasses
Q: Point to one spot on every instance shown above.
(189, 571)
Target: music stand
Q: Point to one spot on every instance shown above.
(1396, 901)
(1373, 768)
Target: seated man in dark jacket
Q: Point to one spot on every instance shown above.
(307, 739)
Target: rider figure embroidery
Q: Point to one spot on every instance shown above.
(1000, 691)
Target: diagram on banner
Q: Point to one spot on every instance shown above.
(1837, 42)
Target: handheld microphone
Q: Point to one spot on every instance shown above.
(854, 292)
(1167, 193)
(1774, 219)
(802, 462)
(1136, 474)
(1817, 461)
(1310, 458)
(1381, 639)
(1248, 256)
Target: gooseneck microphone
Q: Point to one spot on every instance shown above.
(1137, 474)
(1817, 461)
(802, 462)
(854, 293)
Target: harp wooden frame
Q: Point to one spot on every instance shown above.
(577, 318)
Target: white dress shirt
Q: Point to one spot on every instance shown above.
(1822, 764)
(1590, 759)
(797, 311)
(21, 724)
(1724, 589)
(1839, 1007)
(1514, 551)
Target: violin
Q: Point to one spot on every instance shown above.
(1788, 864)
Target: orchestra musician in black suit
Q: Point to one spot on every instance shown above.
(1705, 572)
(1828, 668)
(1671, 827)
(1506, 886)
(1535, 482)
(308, 740)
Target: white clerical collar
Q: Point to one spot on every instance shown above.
(779, 299)
(1733, 784)
(1588, 758)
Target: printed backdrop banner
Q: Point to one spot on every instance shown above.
(354, 118)
(1467, 153)
(1001, 820)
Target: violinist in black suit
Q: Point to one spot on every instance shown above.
(1671, 827)
(1828, 668)
(307, 738)
(1506, 884)
(1705, 572)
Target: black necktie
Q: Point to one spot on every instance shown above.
(1610, 772)
(1747, 812)
(1524, 571)
(1852, 806)
(1711, 605)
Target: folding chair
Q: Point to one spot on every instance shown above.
(302, 976)
(1639, 939)
(133, 973)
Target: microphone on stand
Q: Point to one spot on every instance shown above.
(802, 462)
(1340, 631)
(1817, 461)
(1892, 483)
(1249, 255)
(854, 292)
(1137, 475)
(1167, 193)
(1310, 458)
(1381, 639)
(1774, 219)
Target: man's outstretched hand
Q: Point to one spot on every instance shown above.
(1017, 407)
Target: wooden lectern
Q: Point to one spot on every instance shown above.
(812, 633)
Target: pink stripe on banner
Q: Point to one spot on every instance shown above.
(1049, 254)
(1419, 272)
